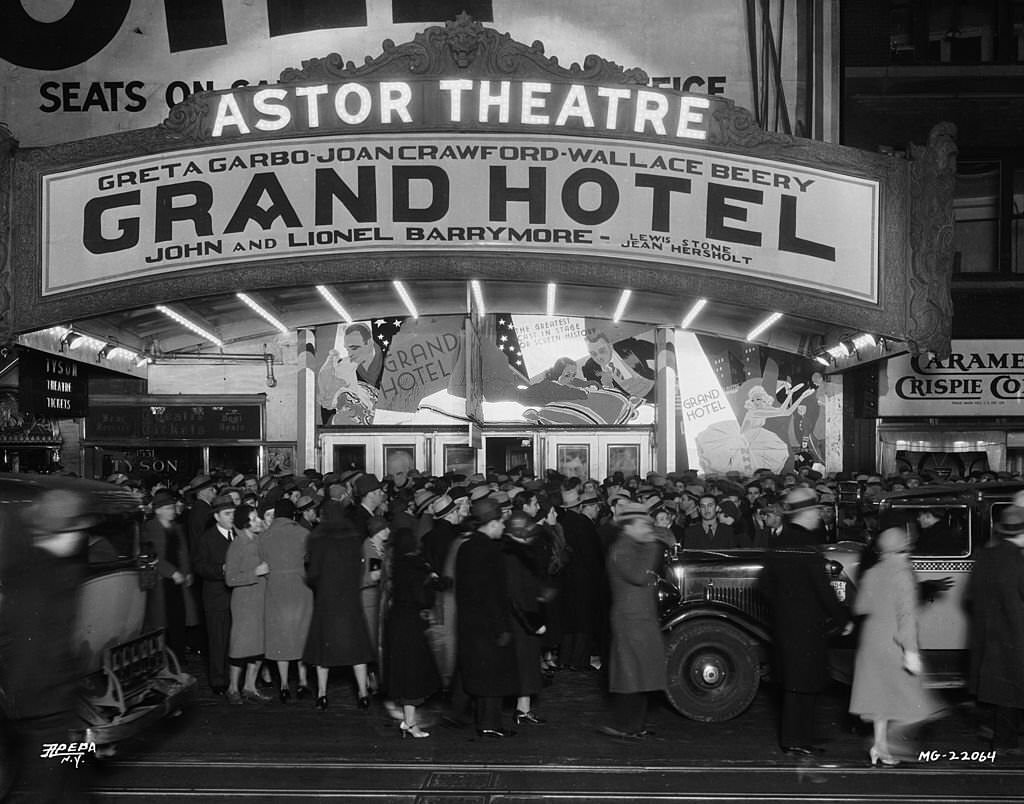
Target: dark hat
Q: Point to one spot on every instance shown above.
(163, 498)
(1011, 521)
(458, 492)
(199, 482)
(61, 511)
(305, 503)
(485, 510)
(800, 499)
(349, 475)
(222, 503)
(365, 484)
(376, 525)
(589, 498)
(284, 509)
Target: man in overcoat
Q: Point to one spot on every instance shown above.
(636, 664)
(804, 610)
(211, 555)
(997, 628)
(486, 656)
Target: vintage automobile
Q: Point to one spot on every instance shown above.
(718, 635)
(130, 677)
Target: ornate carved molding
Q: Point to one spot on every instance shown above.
(462, 45)
(7, 146)
(929, 300)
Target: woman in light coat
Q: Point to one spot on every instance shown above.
(887, 688)
(637, 656)
(245, 572)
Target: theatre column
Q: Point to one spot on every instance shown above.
(305, 401)
(666, 420)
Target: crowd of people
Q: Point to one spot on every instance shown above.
(538, 574)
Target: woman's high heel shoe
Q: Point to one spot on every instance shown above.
(527, 717)
(412, 731)
(877, 757)
(321, 703)
(285, 695)
(364, 701)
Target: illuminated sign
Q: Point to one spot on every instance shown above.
(606, 199)
(979, 378)
(357, 106)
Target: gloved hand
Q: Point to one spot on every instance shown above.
(912, 662)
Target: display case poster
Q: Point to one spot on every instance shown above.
(743, 407)
(574, 460)
(544, 371)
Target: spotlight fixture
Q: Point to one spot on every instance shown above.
(864, 341)
(104, 353)
(840, 350)
(692, 314)
(763, 326)
(824, 359)
(620, 309)
(335, 303)
(403, 294)
(70, 340)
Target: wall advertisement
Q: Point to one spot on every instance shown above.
(607, 199)
(979, 378)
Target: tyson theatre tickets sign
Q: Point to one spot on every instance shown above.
(463, 153)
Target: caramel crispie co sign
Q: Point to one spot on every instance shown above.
(559, 195)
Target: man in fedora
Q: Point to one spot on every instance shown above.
(211, 556)
(709, 533)
(804, 611)
(584, 585)
(370, 495)
(997, 629)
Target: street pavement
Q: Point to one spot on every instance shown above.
(214, 751)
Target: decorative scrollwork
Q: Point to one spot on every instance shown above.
(461, 45)
(929, 299)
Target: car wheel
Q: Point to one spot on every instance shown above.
(712, 671)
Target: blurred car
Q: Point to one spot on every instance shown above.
(130, 678)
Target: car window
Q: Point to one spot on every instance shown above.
(942, 530)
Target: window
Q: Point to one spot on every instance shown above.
(988, 209)
(956, 32)
(941, 531)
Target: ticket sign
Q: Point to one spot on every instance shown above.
(317, 197)
(978, 378)
(52, 386)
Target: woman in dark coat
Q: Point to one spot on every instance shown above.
(552, 539)
(637, 655)
(411, 671)
(523, 568)
(337, 633)
(486, 657)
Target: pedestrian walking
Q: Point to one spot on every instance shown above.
(887, 687)
(637, 655)
(997, 629)
(804, 611)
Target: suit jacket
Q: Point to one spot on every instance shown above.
(694, 537)
(211, 555)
